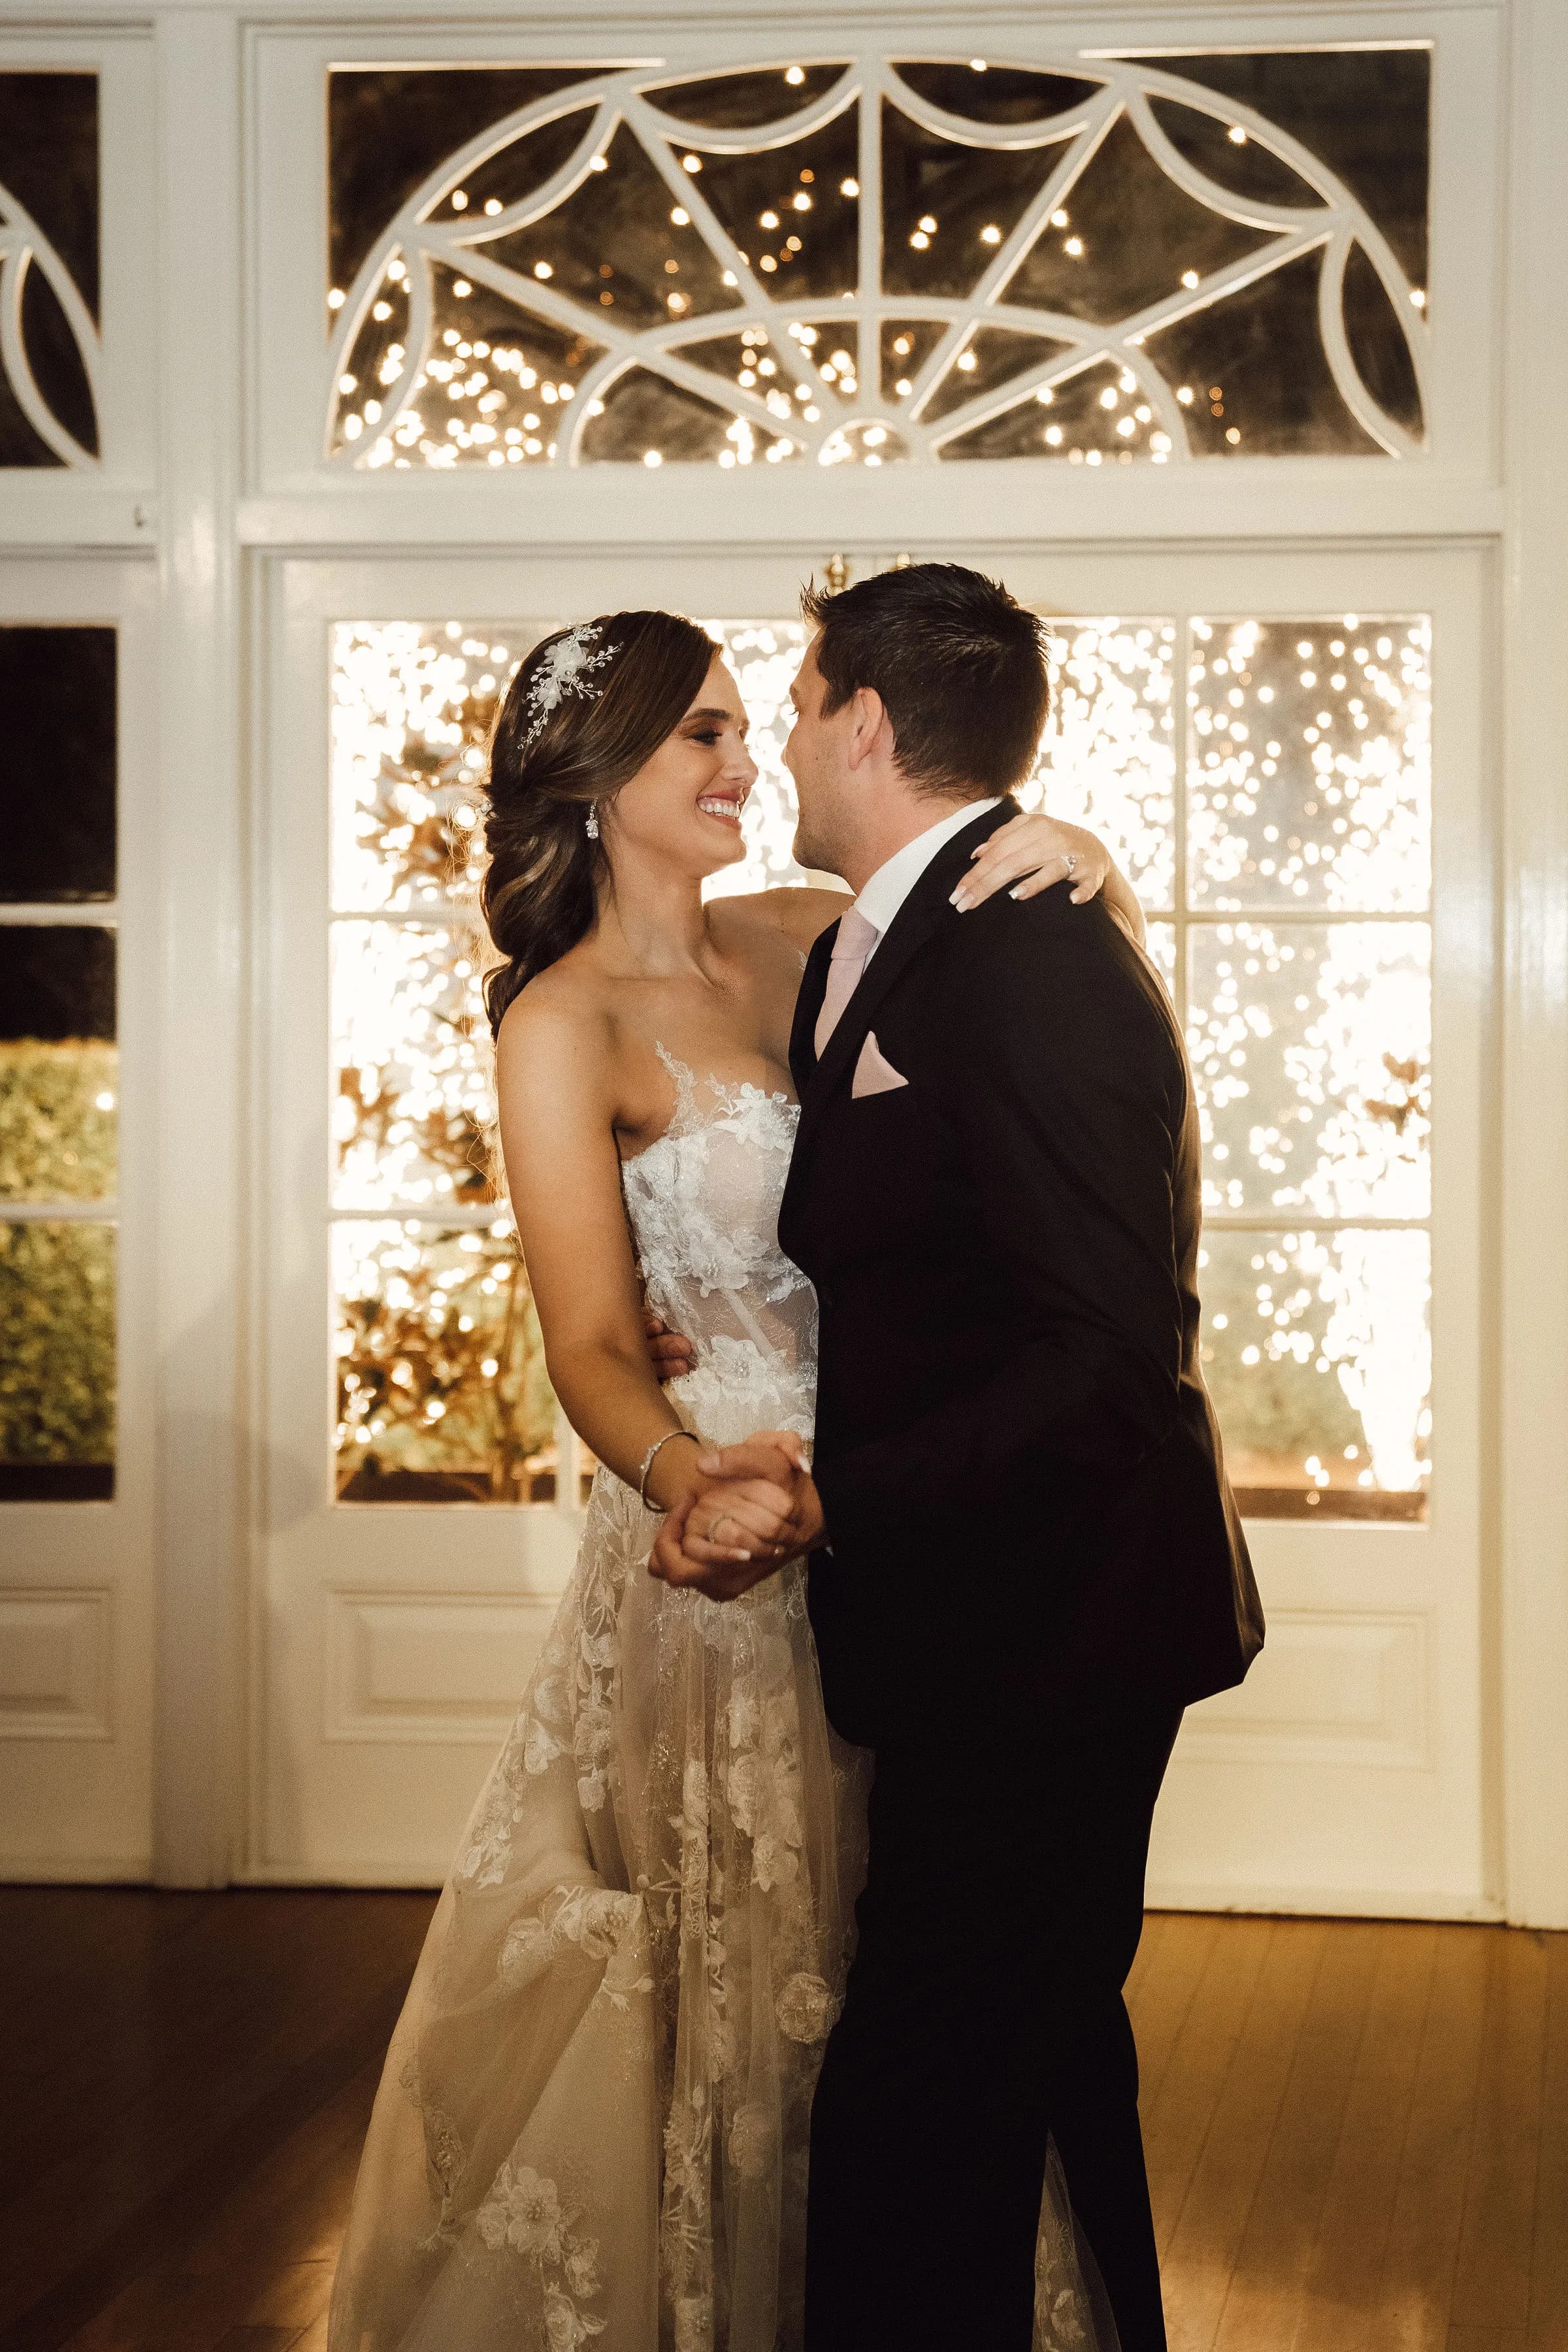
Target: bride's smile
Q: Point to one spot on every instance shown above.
(725, 805)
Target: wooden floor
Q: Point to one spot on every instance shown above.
(1358, 2133)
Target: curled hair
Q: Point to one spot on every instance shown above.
(540, 893)
(960, 665)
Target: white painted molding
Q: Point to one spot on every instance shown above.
(431, 1667)
(202, 1449)
(1315, 1902)
(1212, 500)
(56, 1664)
(1533, 1464)
(1330, 1687)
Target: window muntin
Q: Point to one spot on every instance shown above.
(59, 1076)
(50, 359)
(872, 260)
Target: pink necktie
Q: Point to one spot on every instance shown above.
(856, 940)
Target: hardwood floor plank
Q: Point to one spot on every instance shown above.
(1429, 2199)
(1177, 2120)
(268, 2254)
(1344, 2285)
(1172, 1960)
(1203, 2250)
(294, 2298)
(296, 2202)
(1267, 2293)
(1549, 2256)
(216, 1994)
(1358, 2132)
(1492, 2284)
(178, 2165)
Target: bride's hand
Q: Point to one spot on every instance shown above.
(761, 1509)
(724, 1538)
(1030, 854)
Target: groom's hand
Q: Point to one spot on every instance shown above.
(778, 1456)
(757, 1509)
(671, 1352)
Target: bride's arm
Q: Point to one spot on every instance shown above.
(1027, 854)
(555, 1086)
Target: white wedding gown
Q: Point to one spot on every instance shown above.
(593, 2125)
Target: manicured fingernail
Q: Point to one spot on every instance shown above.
(1017, 893)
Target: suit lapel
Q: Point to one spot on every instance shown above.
(923, 914)
(807, 1005)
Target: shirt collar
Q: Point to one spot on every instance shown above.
(890, 884)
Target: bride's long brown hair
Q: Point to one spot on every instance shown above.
(540, 893)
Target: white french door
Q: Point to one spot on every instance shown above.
(1252, 729)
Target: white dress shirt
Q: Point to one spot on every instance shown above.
(890, 884)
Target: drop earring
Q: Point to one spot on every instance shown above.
(591, 823)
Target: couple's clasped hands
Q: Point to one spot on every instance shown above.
(755, 1507)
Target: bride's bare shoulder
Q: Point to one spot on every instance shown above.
(558, 1032)
(800, 916)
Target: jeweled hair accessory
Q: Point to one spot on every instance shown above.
(565, 669)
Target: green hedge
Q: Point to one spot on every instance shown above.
(56, 1142)
(56, 1343)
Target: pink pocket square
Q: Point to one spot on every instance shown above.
(874, 1074)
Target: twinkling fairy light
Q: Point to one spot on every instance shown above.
(1109, 759)
(1309, 792)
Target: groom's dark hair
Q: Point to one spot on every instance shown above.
(960, 665)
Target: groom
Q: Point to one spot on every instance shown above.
(1024, 1557)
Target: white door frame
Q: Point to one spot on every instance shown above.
(1325, 1807)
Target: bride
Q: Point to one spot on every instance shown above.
(593, 2123)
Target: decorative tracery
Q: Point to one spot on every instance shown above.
(51, 392)
(868, 260)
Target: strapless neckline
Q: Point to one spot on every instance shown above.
(730, 1095)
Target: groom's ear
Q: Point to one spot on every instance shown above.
(867, 719)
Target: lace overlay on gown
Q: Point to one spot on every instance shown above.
(593, 2125)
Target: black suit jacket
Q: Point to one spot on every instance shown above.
(1020, 1464)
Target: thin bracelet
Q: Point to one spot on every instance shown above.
(650, 1457)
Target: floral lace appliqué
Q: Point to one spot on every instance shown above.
(523, 2215)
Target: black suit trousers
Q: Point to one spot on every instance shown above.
(984, 2014)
